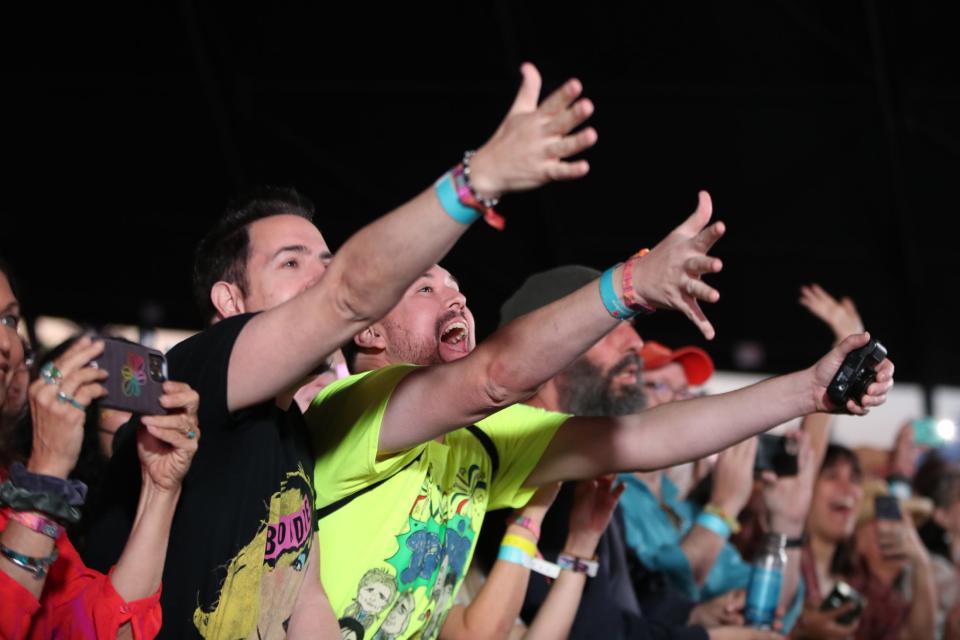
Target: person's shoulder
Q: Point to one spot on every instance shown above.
(224, 331)
(367, 384)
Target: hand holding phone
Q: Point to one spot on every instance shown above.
(841, 595)
(777, 454)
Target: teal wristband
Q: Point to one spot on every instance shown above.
(613, 303)
(450, 201)
(514, 555)
(713, 522)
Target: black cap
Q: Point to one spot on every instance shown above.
(545, 287)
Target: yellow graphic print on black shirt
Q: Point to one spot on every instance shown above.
(264, 578)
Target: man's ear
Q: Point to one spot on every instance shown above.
(227, 299)
(371, 339)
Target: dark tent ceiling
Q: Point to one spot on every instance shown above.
(826, 131)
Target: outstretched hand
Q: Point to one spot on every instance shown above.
(827, 367)
(669, 276)
(529, 147)
(840, 315)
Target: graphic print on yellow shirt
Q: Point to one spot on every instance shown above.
(263, 579)
(393, 557)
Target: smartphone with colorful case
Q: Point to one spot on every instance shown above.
(137, 374)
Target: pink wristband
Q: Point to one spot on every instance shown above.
(630, 297)
(35, 522)
(528, 524)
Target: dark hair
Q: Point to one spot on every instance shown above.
(5, 270)
(222, 253)
(837, 454)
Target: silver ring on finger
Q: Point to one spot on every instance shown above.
(66, 397)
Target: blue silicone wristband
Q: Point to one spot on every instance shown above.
(450, 201)
(714, 523)
(613, 303)
(514, 555)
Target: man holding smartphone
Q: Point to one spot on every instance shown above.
(242, 560)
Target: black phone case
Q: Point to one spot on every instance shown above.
(774, 454)
(839, 596)
(886, 508)
(133, 385)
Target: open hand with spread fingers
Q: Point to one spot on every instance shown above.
(530, 146)
(840, 315)
(670, 275)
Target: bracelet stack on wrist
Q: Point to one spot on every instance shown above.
(628, 304)
(461, 201)
(519, 550)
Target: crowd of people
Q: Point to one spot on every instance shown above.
(335, 456)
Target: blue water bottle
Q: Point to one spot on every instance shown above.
(766, 578)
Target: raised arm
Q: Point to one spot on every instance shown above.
(514, 362)
(689, 429)
(368, 275)
(165, 445)
(732, 486)
(843, 319)
(57, 437)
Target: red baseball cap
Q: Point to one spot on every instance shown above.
(697, 365)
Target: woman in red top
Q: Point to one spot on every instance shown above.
(45, 589)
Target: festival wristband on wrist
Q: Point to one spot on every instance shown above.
(526, 523)
(633, 301)
(515, 555)
(578, 565)
(450, 200)
(730, 521)
(545, 567)
(611, 301)
(713, 522)
(34, 522)
(37, 566)
(521, 543)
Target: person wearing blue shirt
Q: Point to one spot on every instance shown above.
(689, 542)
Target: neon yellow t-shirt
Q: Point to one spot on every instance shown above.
(393, 557)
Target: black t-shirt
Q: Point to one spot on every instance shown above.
(624, 599)
(243, 528)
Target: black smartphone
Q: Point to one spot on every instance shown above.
(137, 374)
(777, 454)
(841, 594)
(886, 508)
